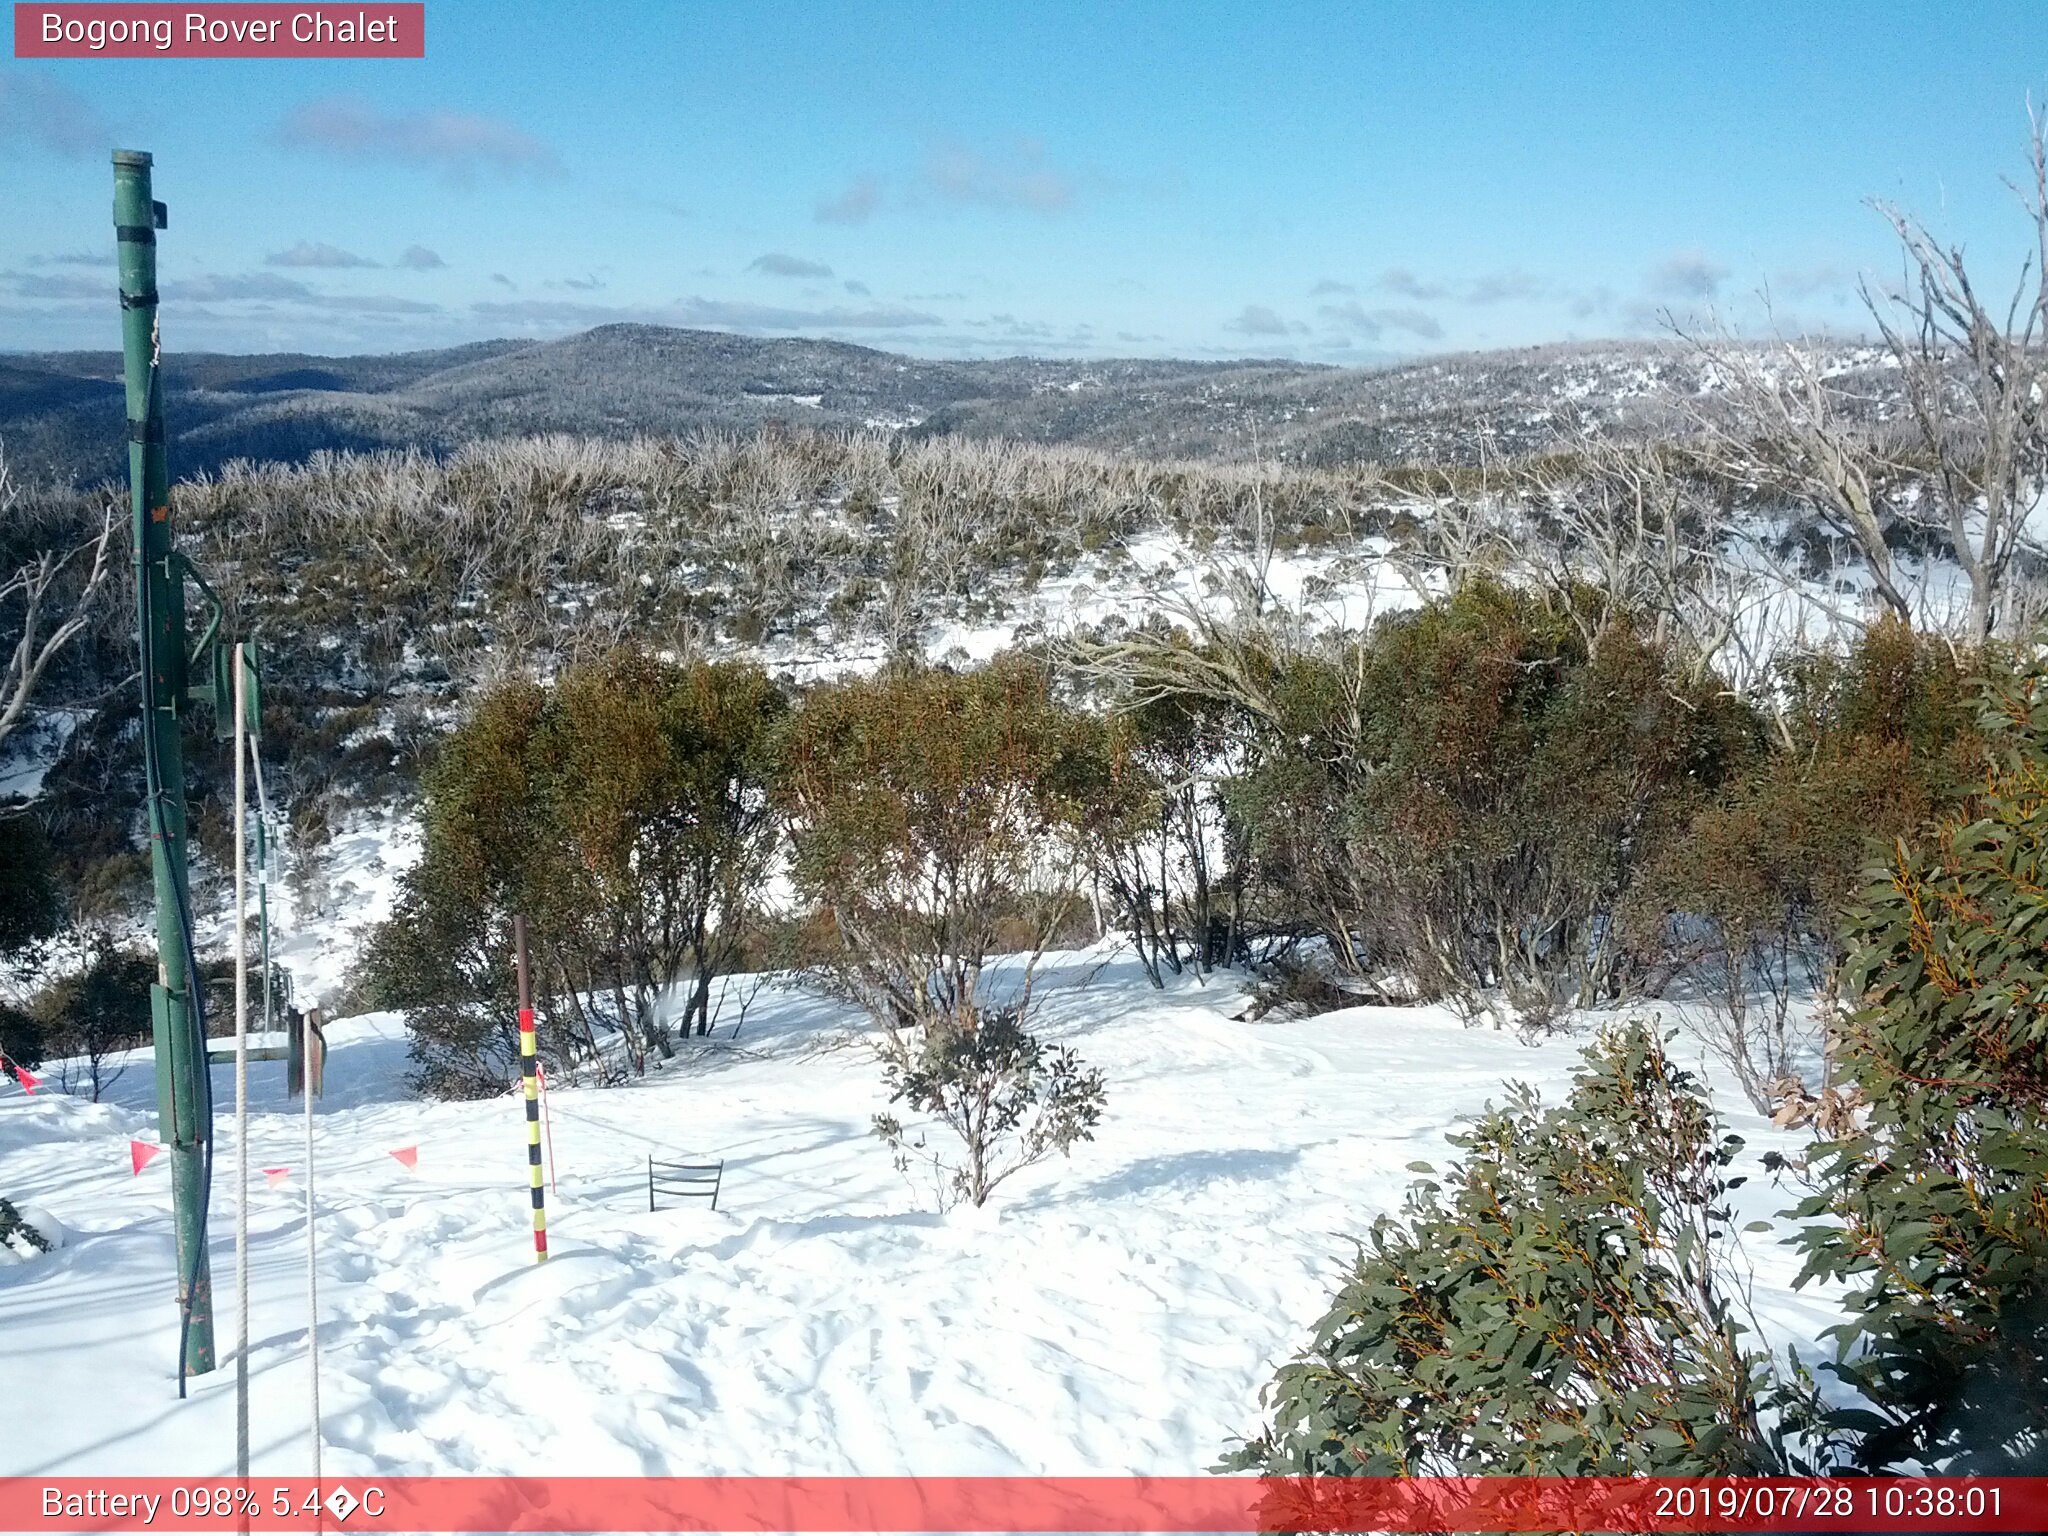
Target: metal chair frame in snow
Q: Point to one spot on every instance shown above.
(685, 1181)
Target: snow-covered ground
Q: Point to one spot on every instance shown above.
(1115, 1313)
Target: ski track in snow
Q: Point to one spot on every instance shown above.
(1116, 1313)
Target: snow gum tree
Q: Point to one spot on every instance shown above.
(625, 811)
(1966, 464)
(937, 816)
(1163, 841)
(1934, 1213)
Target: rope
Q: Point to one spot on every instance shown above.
(308, 1033)
(241, 1074)
(312, 1274)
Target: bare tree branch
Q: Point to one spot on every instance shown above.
(34, 585)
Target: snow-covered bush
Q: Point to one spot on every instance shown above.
(1555, 1302)
(20, 1236)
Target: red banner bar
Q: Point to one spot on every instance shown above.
(221, 31)
(1017, 1504)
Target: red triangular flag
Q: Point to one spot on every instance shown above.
(28, 1084)
(276, 1175)
(410, 1156)
(140, 1152)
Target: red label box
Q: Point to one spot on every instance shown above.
(101, 30)
(1170, 1506)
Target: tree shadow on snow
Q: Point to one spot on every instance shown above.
(1188, 1172)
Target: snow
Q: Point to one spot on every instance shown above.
(1156, 573)
(329, 899)
(1116, 1313)
(32, 750)
(15, 1248)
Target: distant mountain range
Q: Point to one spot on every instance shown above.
(61, 413)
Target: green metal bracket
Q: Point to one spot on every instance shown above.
(252, 691)
(178, 1103)
(212, 655)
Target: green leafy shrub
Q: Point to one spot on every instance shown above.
(92, 1017)
(1552, 1304)
(1463, 800)
(1750, 902)
(30, 904)
(624, 812)
(21, 1037)
(1012, 1102)
(1935, 1212)
(938, 817)
(936, 814)
(1163, 851)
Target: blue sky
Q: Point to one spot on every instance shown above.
(1324, 181)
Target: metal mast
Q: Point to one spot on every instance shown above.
(184, 1086)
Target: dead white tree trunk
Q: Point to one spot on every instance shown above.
(36, 587)
(1973, 380)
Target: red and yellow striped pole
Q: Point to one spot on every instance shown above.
(529, 1063)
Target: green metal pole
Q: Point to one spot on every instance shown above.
(184, 1086)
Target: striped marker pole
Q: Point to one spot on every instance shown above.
(529, 1064)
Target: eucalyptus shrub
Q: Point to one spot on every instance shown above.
(1935, 1212)
(1464, 799)
(1012, 1100)
(624, 811)
(940, 818)
(1551, 1304)
(1871, 742)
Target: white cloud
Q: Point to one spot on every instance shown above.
(1687, 275)
(1257, 320)
(776, 264)
(854, 205)
(40, 113)
(308, 253)
(458, 144)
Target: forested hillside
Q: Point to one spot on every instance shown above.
(60, 414)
